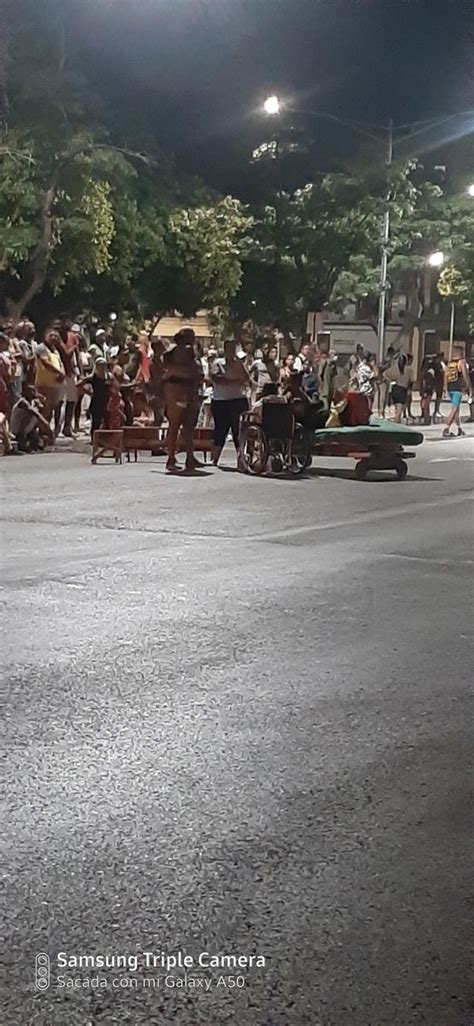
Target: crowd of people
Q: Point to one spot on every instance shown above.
(393, 381)
(75, 381)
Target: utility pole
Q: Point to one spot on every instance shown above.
(451, 329)
(384, 261)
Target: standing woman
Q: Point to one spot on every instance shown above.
(143, 372)
(401, 376)
(6, 375)
(439, 368)
(155, 385)
(86, 367)
(378, 383)
(207, 389)
(141, 378)
(286, 369)
(231, 380)
(327, 379)
(366, 376)
(427, 387)
(408, 411)
(5, 403)
(96, 385)
(385, 386)
(181, 384)
(50, 376)
(265, 369)
(68, 348)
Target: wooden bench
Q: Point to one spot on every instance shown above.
(144, 439)
(203, 441)
(153, 440)
(107, 443)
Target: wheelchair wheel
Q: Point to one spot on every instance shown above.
(254, 449)
(300, 453)
(361, 469)
(276, 463)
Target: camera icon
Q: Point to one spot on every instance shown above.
(42, 971)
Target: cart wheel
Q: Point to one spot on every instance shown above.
(254, 449)
(300, 452)
(402, 470)
(361, 469)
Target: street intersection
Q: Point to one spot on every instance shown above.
(237, 723)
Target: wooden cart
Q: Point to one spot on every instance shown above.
(379, 446)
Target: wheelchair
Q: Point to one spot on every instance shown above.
(270, 439)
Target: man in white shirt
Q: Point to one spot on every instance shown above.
(303, 357)
(99, 348)
(25, 333)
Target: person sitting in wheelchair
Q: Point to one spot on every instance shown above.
(309, 413)
(270, 394)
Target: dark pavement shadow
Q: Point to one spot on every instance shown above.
(264, 477)
(373, 475)
(345, 475)
(419, 477)
(183, 473)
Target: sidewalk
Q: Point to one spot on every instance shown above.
(80, 444)
(434, 432)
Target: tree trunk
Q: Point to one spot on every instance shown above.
(157, 319)
(288, 341)
(40, 260)
(416, 309)
(4, 102)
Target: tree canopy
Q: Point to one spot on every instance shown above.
(90, 218)
(456, 279)
(82, 213)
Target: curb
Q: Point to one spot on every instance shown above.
(77, 445)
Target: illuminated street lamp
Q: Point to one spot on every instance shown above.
(272, 105)
(436, 259)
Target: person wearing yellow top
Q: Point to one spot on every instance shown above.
(50, 375)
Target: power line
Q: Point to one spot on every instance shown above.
(363, 127)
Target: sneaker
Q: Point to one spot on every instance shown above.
(447, 433)
(461, 433)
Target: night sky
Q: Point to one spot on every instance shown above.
(191, 73)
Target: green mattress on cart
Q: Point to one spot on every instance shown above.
(379, 432)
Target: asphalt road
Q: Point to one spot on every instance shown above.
(237, 723)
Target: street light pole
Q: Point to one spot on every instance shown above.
(384, 261)
(451, 330)
(273, 106)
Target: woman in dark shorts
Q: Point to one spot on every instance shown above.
(231, 382)
(402, 376)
